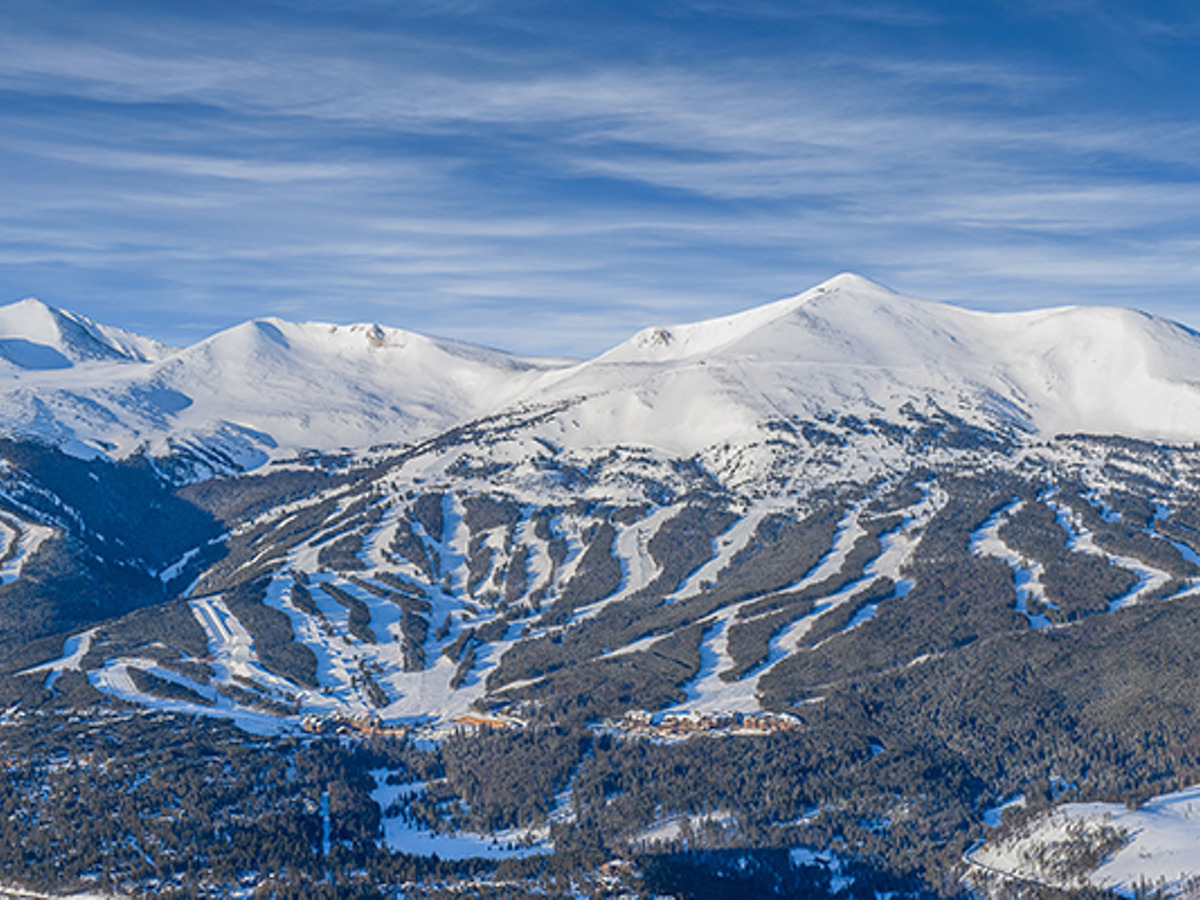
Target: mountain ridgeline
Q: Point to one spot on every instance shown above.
(958, 552)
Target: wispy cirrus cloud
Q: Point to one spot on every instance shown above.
(465, 172)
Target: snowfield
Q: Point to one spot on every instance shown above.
(405, 836)
(1160, 846)
(848, 345)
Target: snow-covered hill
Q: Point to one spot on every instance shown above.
(269, 388)
(852, 347)
(1155, 846)
(263, 389)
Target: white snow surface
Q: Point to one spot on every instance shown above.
(1163, 843)
(267, 388)
(405, 836)
(21, 541)
(75, 648)
(36, 336)
(260, 390)
(850, 345)
(669, 829)
(1027, 574)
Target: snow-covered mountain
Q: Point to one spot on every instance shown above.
(263, 389)
(919, 546)
(269, 388)
(34, 336)
(852, 347)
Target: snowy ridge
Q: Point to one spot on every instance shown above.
(853, 347)
(269, 388)
(259, 391)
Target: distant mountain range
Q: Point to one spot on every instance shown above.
(268, 389)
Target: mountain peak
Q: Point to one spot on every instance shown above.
(27, 313)
(29, 303)
(853, 346)
(849, 281)
(36, 335)
(660, 343)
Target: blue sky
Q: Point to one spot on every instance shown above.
(550, 176)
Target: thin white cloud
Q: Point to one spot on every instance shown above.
(313, 171)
